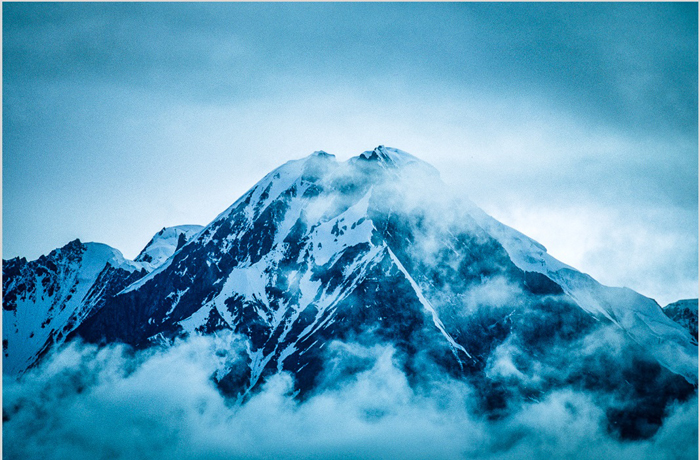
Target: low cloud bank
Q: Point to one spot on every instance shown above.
(90, 403)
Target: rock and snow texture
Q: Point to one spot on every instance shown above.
(45, 299)
(286, 265)
(685, 313)
(639, 316)
(164, 244)
(321, 251)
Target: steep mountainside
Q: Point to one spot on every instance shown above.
(374, 251)
(44, 300)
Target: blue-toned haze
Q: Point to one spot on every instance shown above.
(574, 123)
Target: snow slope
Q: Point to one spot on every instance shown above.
(164, 244)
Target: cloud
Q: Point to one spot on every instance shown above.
(650, 249)
(590, 57)
(85, 402)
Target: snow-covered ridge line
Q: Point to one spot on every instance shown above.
(641, 317)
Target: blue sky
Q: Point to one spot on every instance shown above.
(575, 123)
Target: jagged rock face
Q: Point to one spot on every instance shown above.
(369, 251)
(685, 313)
(46, 299)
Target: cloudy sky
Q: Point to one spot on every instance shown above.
(574, 123)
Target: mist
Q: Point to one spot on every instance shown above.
(85, 402)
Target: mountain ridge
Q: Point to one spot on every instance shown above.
(371, 251)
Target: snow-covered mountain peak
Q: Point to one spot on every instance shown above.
(165, 243)
(296, 175)
(373, 250)
(99, 254)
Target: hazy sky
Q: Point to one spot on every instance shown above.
(574, 123)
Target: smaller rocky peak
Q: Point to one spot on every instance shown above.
(685, 313)
(12, 267)
(378, 154)
(390, 156)
(165, 243)
(181, 241)
(322, 154)
(396, 161)
(74, 245)
(72, 250)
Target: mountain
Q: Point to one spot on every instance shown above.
(685, 313)
(164, 244)
(46, 299)
(368, 251)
